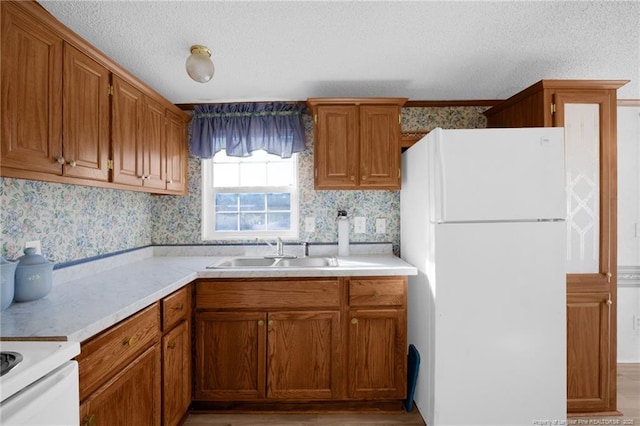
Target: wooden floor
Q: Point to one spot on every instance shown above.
(628, 405)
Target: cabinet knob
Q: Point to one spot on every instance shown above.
(354, 320)
(170, 181)
(364, 177)
(377, 294)
(179, 307)
(609, 302)
(260, 323)
(61, 160)
(171, 345)
(352, 178)
(72, 163)
(89, 420)
(130, 341)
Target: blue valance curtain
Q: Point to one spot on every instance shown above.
(275, 127)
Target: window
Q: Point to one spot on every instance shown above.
(248, 197)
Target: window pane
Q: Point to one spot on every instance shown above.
(226, 175)
(252, 202)
(227, 202)
(279, 174)
(279, 221)
(252, 222)
(279, 202)
(226, 222)
(253, 174)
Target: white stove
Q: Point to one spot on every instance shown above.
(41, 389)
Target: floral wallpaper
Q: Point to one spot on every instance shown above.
(76, 222)
(72, 222)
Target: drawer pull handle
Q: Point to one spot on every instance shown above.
(260, 323)
(354, 320)
(130, 341)
(171, 345)
(89, 420)
(179, 307)
(377, 294)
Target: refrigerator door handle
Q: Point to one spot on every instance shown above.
(441, 184)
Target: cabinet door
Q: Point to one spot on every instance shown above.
(377, 353)
(86, 116)
(132, 397)
(176, 374)
(303, 355)
(588, 118)
(379, 146)
(153, 145)
(127, 114)
(31, 93)
(336, 147)
(588, 346)
(230, 355)
(176, 154)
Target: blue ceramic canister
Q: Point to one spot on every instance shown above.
(7, 282)
(33, 276)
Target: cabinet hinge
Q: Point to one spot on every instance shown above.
(399, 118)
(109, 89)
(315, 118)
(315, 173)
(110, 164)
(553, 108)
(399, 175)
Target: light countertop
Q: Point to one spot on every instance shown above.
(88, 303)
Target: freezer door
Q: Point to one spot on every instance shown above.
(496, 174)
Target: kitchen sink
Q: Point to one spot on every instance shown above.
(270, 262)
(307, 262)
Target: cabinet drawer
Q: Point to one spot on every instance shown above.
(379, 291)
(112, 350)
(176, 307)
(265, 294)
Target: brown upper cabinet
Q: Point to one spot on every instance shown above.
(587, 111)
(356, 142)
(60, 98)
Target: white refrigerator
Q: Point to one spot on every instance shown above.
(482, 219)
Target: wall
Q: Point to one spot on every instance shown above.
(628, 235)
(72, 222)
(75, 222)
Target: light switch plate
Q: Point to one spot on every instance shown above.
(360, 225)
(310, 224)
(381, 226)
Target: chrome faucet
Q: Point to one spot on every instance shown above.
(279, 248)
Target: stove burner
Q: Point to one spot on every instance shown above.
(8, 360)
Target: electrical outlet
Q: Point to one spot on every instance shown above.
(381, 226)
(360, 225)
(310, 224)
(36, 244)
(636, 322)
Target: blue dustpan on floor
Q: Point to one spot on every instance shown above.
(413, 365)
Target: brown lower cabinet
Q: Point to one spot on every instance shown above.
(296, 340)
(131, 397)
(276, 342)
(132, 374)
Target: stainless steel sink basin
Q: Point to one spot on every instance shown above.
(308, 262)
(268, 262)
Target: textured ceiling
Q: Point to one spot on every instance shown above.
(427, 50)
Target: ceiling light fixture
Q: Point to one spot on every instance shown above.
(199, 65)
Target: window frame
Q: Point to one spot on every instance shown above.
(209, 191)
